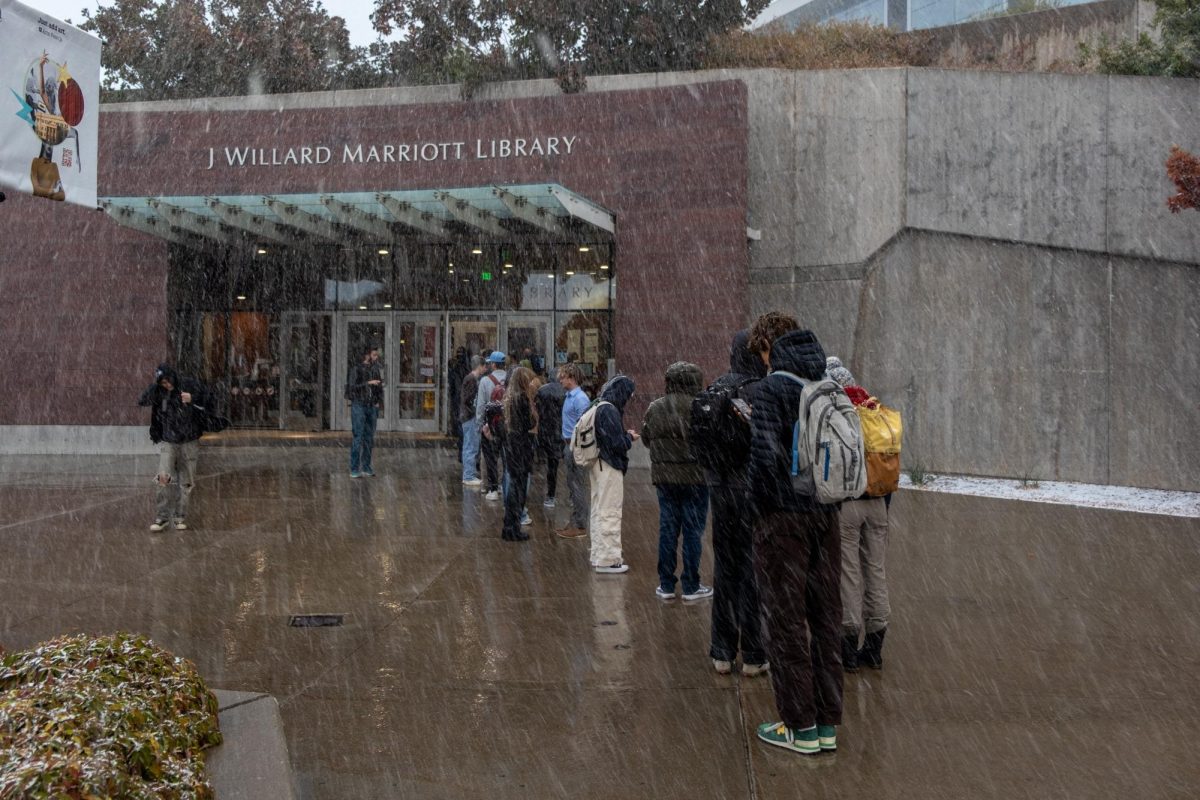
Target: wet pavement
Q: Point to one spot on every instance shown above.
(1035, 650)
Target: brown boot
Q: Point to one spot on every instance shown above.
(570, 532)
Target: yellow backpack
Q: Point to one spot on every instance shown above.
(882, 434)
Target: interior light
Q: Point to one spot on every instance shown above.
(508, 266)
(383, 251)
(570, 272)
(387, 305)
(362, 308)
(451, 270)
(584, 249)
(477, 251)
(604, 266)
(241, 297)
(262, 251)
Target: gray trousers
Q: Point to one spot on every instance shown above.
(577, 487)
(177, 462)
(864, 529)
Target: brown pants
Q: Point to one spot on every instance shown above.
(797, 559)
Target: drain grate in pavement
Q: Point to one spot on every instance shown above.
(316, 620)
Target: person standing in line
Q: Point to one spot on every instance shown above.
(470, 429)
(608, 475)
(520, 442)
(797, 550)
(549, 400)
(863, 523)
(177, 421)
(488, 384)
(456, 371)
(736, 618)
(575, 402)
(364, 390)
(679, 480)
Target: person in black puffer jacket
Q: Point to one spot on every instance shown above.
(736, 623)
(519, 443)
(797, 551)
(549, 402)
(179, 410)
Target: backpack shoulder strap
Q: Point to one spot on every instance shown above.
(791, 377)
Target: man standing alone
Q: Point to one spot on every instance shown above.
(575, 402)
(177, 421)
(364, 390)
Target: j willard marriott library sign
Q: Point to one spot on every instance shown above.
(318, 155)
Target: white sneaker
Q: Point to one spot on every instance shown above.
(549, 502)
(702, 593)
(722, 667)
(612, 569)
(180, 525)
(663, 594)
(158, 525)
(754, 670)
(473, 482)
(526, 519)
(494, 494)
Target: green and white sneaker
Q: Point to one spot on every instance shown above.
(800, 741)
(827, 734)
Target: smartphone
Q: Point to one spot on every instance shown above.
(742, 407)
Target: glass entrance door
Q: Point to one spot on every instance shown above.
(527, 337)
(357, 333)
(304, 379)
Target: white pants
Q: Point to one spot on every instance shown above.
(608, 498)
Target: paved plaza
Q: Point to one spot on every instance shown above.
(1035, 650)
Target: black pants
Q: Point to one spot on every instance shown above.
(514, 503)
(797, 559)
(491, 454)
(736, 616)
(551, 474)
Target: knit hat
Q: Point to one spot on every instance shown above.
(836, 370)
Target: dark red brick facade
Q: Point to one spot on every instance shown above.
(83, 301)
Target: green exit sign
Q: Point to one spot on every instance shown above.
(487, 276)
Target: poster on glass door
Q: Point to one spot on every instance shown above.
(49, 106)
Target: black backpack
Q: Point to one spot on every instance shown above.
(493, 410)
(718, 435)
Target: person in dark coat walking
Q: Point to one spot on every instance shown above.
(520, 442)
(797, 550)
(736, 620)
(549, 401)
(178, 412)
(679, 480)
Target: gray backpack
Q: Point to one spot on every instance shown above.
(828, 460)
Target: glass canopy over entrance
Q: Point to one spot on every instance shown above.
(273, 298)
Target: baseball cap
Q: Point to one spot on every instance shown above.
(497, 357)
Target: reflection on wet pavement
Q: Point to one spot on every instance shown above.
(1035, 650)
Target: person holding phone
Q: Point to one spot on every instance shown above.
(364, 390)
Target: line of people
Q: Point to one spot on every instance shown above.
(799, 586)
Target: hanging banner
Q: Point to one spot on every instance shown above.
(49, 106)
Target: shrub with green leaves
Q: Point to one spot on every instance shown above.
(1175, 52)
(114, 716)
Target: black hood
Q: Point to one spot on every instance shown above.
(684, 378)
(742, 361)
(618, 390)
(168, 372)
(800, 353)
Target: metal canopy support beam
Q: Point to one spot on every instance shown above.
(525, 211)
(420, 220)
(582, 209)
(360, 220)
(189, 221)
(136, 222)
(468, 214)
(255, 225)
(304, 220)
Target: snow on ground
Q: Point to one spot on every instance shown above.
(1088, 495)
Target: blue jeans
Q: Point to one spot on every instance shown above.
(470, 450)
(363, 417)
(681, 509)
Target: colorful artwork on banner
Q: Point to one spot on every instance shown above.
(50, 121)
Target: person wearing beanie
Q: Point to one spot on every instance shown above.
(863, 525)
(179, 416)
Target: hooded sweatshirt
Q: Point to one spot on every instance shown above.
(611, 437)
(665, 430)
(172, 420)
(776, 411)
(746, 369)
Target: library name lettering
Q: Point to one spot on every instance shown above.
(479, 149)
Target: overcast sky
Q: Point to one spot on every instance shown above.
(355, 12)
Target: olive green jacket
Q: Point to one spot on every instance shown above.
(665, 430)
